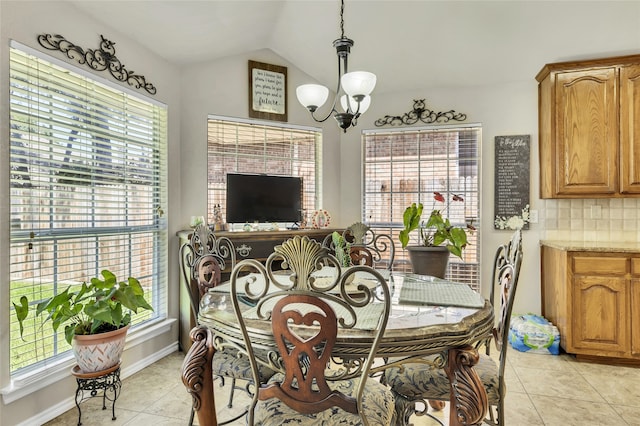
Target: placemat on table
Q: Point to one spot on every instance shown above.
(440, 294)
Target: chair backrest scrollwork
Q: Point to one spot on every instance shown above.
(381, 246)
(202, 260)
(506, 253)
(506, 276)
(361, 256)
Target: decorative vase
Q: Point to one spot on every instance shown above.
(429, 260)
(99, 352)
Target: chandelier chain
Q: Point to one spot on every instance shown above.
(342, 19)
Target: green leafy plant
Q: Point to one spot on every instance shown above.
(97, 307)
(437, 230)
(342, 249)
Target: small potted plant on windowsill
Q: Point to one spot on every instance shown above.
(437, 238)
(97, 314)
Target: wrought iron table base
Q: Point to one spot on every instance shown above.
(107, 380)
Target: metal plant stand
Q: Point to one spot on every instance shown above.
(107, 380)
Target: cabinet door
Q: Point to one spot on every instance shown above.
(587, 132)
(600, 316)
(630, 129)
(635, 317)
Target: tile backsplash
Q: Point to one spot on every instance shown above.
(601, 220)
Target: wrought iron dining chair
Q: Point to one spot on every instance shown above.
(381, 246)
(421, 382)
(305, 312)
(202, 260)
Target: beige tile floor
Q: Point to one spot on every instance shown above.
(542, 390)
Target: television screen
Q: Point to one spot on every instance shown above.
(263, 198)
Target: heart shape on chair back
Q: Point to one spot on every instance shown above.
(306, 357)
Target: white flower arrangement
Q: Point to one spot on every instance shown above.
(513, 222)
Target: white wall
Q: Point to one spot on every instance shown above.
(23, 21)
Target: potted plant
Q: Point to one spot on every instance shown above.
(437, 237)
(97, 314)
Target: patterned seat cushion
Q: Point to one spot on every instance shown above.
(227, 364)
(377, 402)
(425, 382)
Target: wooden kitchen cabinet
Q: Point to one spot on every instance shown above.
(635, 307)
(589, 124)
(630, 129)
(593, 297)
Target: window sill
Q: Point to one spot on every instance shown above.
(25, 384)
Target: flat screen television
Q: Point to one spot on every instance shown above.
(263, 198)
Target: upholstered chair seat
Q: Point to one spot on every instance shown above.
(228, 363)
(377, 402)
(417, 380)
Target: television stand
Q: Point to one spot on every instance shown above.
(249, 245)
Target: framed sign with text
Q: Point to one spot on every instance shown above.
(511, 202)
(267, 91)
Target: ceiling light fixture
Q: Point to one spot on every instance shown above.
(357, 87)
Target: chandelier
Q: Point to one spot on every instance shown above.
(356, 85)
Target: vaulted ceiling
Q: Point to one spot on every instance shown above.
(408, 44)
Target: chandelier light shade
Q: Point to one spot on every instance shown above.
(353, 104)
(353, 90)
(312, 96)
(358, 83)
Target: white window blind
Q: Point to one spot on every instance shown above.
(239, 146)
(406, 166)
(88, 191)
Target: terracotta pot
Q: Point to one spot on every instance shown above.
(429, 260)
(98, 352)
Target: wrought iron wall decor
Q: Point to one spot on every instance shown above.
(98, 60)
(420, 113)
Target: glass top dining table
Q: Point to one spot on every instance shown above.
(428, 316)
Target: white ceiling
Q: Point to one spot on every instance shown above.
(408, 44)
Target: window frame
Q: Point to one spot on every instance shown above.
(216, 191)
(468, 274)
(158, 227)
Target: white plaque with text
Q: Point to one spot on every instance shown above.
(267, 91)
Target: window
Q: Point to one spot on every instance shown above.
(88, 188)
(240, 146)
(406, 166)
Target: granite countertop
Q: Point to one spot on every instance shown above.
(599, 246)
